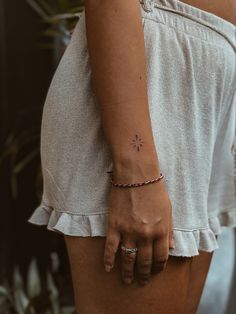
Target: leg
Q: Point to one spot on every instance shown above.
(98, 292)
(199, 269)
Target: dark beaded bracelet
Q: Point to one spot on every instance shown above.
(130, 185)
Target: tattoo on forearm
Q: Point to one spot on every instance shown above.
(137, 143)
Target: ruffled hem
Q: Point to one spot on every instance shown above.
(187, 242)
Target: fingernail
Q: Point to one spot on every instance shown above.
(172, 245)
(128, 280)
(108, 268)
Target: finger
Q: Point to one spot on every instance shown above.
(171, 235)
(144, 260)
(111, 247)
(160, 254)
(128, 261)
(171, 240)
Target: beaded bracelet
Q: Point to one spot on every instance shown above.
(129, 185)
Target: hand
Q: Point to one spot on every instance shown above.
(139, 217)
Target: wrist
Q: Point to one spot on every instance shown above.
(129, 169)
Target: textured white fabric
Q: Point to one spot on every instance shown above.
(191, 90)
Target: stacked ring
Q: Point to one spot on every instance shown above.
(129, 250)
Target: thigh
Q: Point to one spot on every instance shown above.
(97, 291)
(199, 267)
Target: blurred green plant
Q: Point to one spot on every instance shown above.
(60, 17)
(29, 296)
(21, 148)
(18, 144)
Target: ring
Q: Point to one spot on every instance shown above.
(129, 250)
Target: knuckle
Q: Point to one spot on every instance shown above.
(109, 252)
(145, 233)
(112, 222)
(127, 276)
(145, 264)
(144, 276)
(127, 229)
(127, 273)
(110, 247)
(162, 232)
(128, 259)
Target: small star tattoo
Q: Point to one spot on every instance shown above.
(137, 143)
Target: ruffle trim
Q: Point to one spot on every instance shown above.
(187, 242)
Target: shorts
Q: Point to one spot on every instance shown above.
(192, 101)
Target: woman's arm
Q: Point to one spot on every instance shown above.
(117, 56)
(139, 216)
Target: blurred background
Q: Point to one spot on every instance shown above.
(34, 267)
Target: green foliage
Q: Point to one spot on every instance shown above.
(29, 297)
(18, 151)
(60, 17)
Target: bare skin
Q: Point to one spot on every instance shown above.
(176, 290)
(120, 84)
(139, 217)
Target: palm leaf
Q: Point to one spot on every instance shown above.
(21, 301)
(25, 161)
(38, 9)
(33, 280)
(45, 6)
(54, 294)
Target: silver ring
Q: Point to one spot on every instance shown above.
(129, 250)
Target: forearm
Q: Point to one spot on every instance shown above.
(118, 63)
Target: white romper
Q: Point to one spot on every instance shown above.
(191, 61)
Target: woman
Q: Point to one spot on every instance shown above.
(145, 91)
